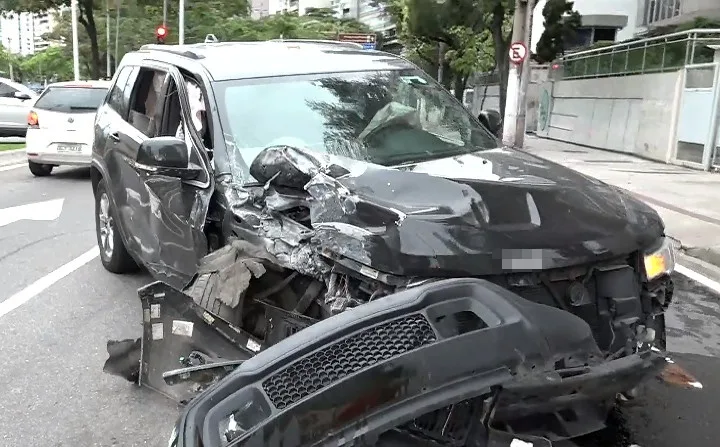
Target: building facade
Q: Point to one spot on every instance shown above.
(259, 8)
(606, 20)
(654, 13)
(298, 6)
(25, 33)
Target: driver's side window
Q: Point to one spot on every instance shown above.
(173, 122)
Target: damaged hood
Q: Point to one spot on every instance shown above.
(475, 214)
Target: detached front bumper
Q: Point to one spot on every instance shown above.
(399, 360)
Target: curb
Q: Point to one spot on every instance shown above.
(12, 156)
(710, 255)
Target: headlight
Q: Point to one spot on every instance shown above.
(660, 261)
(173, 438)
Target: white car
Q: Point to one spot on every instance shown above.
(60, 125)
(15, 102)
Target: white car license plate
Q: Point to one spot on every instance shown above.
(69, 148)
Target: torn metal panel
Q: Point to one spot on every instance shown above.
(185, 335)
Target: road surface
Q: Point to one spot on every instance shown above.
(58, 307)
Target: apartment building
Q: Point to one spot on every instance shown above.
(655, 13)
(371, 14)
(606, 20)
(259, 8)
(25, 33)
(298, 6)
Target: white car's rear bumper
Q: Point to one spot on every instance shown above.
(59, 147)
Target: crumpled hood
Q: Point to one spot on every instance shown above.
(475, 214)
(489, 212)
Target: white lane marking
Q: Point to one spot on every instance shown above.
(695, 276)
(46, 281)
(9, 167)
(47, 210)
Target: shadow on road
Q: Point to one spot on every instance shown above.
(71, 173)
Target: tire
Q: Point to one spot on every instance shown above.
(113, 254)
(40, 170)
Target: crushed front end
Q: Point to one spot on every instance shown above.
(316, 249)
(456, 362)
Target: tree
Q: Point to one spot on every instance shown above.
(226, 19)
(140, 12)
(561, 23)
(52, 63)
(86, 18)
(448, 36)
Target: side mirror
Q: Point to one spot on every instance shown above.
(21, 95)
(167, 156)
(492, 121)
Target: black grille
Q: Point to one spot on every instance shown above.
(347, 356)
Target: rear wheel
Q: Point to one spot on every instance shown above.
(113, 254)
(40, 170)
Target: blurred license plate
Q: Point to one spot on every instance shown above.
(73, 148)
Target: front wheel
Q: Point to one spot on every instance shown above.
(113, 254)
(40, 170)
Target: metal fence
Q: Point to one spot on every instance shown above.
(669, 52)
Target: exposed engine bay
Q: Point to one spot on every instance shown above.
(315, 239)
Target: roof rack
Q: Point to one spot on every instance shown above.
(174, 49)
(338, 43)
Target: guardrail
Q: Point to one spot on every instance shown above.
(659, 54)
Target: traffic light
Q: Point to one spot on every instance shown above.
(161, 33)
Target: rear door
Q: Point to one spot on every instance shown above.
(66, 114)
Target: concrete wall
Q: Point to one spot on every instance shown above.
(631, 114)
(488, 96)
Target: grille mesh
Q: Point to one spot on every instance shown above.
(346, 357)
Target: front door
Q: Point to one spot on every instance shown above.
(13, 111)
(162, 217)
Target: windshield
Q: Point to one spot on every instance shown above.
(384, 117)
(71, 99)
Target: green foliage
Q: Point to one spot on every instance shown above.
(561, 23)
(227, 19)
(53, 64)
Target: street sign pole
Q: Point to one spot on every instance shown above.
(513, 98)
(520, 127)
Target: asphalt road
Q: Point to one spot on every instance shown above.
(53, 333)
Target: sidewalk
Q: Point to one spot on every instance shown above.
(686, 199)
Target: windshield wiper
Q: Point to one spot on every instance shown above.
(82, 108)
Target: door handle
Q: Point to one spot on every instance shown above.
(115, 136)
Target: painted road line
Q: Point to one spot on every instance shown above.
(15, 166)
(697, 277)
(46, 281)
(48, 210)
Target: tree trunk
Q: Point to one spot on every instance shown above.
(459, 87)
(442, 49)
(87, 20)
(501, 44)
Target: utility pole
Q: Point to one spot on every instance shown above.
(524, 79)
(181, 27)
(75, 45)
(108, 69)
(165, 7)
(515, 101)
(117, 31)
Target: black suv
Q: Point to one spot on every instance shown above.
(336, 239)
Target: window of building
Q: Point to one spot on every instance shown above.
(657, 10)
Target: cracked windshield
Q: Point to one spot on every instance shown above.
(391, 223)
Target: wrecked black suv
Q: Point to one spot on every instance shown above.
(342, 252)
